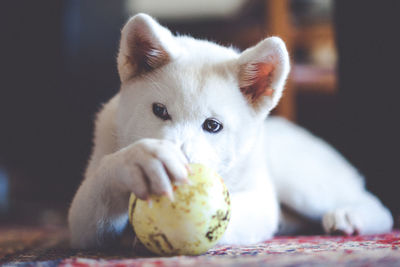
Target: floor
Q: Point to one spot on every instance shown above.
(36, 246)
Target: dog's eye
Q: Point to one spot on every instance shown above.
(161, 111)
(212, 126)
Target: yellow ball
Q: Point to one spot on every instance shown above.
(192, 223)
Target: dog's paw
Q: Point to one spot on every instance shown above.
(149, 166)
(341, 222)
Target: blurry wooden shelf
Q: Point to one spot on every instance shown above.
(311, 78)
(306, 35)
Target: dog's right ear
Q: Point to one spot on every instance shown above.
(145, 45)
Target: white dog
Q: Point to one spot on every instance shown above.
(184, 100)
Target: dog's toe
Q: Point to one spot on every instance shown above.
(341, 222)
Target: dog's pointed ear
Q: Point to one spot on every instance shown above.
(145, 45)
(263, 70)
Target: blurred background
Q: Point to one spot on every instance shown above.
(59, 64)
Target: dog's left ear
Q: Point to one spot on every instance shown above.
(263, 70)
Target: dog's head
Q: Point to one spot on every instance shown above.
(208, 99)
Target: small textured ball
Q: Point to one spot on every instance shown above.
(191, 224)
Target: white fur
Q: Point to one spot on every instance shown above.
(262, 163)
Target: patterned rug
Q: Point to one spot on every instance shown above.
(22, 246)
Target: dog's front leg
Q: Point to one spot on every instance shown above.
(254, 217)
(98, 214)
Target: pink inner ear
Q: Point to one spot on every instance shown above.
(256, 81)
(146, 55)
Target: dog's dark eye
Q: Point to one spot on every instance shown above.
(161, 111)
(212, 126)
